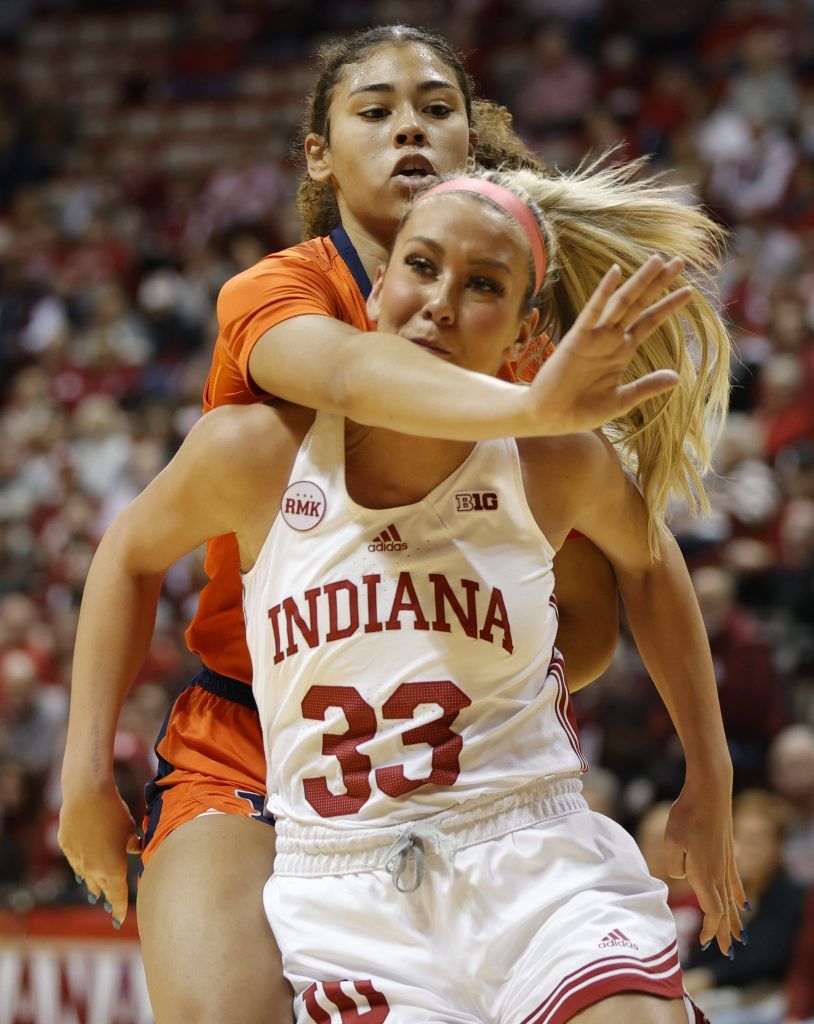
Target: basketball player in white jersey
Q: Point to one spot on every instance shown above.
(436, 860)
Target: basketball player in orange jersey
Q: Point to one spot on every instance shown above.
(532, 908)
(391, 107)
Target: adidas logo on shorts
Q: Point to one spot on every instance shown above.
(388, 540)
(617, 938)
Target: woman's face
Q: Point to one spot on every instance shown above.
(397, 123)
(757, 846)
(455, 284)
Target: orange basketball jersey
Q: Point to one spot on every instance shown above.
(308, 279)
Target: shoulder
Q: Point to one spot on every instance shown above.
(240, 440)
(572, 458)
(563, 476)
(299, 263)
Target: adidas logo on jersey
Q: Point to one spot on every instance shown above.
(388, 540)
(617, 938)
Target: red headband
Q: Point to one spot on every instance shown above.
(512, 205)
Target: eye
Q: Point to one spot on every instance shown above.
(420, 264)
(487, 285)
(374, 113)
(439, 110)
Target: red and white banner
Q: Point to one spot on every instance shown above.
(63, 967)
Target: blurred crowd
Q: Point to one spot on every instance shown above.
(145, 159)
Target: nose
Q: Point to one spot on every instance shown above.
(408, 130)
(439, 308)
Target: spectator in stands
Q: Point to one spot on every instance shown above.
(602, 792)
(799, 988)
(32, 717)
(751, 702)
(785, 412)
(559, 90)
(791, 768)
(765, 90)
(20, 810)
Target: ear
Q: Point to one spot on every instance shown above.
(473, 146)
(374, 300)
(317, 157)
(525, 337)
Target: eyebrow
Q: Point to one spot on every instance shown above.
(480, 260)
(428, 86)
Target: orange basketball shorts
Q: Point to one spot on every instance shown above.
(210, 758)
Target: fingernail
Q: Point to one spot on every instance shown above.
(744, 937)
(108, 908)
(78, 878)
(747, 905)
(707, 944)
(92, 898)
(116, 923)
(731, 953)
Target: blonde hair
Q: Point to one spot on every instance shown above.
(600, 214)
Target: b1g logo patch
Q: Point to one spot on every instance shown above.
(303, 505)
(476, 501)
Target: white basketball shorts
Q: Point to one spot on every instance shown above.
(529, 908)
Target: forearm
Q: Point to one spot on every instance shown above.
(670, 635)
(385, 381)
(115, 627)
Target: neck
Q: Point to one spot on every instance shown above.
(372, 249)
(384, 469)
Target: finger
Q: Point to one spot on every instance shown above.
(626, 296)
(738, 897)
(133, 844)
(94, 890)
(735, 924)
(675, 858)
(724, 935)
(628, 396)
(714, 918)
(655, 315)
(656, 289)
(117, 899)
(737, 885)
(595, 305)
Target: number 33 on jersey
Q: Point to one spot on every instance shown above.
(395, 680)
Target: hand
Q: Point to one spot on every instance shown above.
(699, 847)
(96, 832)
(580, 386)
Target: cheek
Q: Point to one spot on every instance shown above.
(487, 326)
(400, 301)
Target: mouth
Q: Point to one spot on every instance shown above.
(430, 346)
(415, 172)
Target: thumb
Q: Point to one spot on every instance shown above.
(645, 388)
(675, 856)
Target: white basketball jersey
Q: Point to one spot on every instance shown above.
(404, 658)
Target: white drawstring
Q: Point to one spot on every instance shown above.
(410, 847)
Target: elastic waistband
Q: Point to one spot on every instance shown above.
(224, 686)
(306, 850)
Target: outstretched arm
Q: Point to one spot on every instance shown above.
(669, 632)
(185, 505)
(384, 380)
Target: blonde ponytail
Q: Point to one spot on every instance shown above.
(598, 215)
